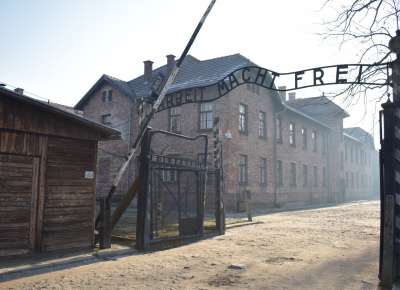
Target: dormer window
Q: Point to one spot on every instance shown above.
(106, 119)
(107, 96)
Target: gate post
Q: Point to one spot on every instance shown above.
(390, 173)
(143, 206)
(387, 251)
(218, 167)
(105, 229)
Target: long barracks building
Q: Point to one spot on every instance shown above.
(284, 150)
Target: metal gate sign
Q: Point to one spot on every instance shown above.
(319, 76)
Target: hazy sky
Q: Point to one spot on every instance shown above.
(58, 49)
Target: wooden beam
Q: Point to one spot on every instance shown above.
(125, 202)
(105, 231)
(34, 203)
(42, 191)
(93, 187)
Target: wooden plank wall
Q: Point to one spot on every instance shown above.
(68, 220)
(18, 190)
(20, 143)
(61, 201)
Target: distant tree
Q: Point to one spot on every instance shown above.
(370, 24)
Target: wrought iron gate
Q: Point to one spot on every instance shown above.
(176, 190)
(173, 196)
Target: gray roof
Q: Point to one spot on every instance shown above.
(66, 108)
(194, 73)
(300, 113)
(360, 135)
(107, 132)
(112, 81)
(319, 107)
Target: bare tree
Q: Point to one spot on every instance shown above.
(370, 24)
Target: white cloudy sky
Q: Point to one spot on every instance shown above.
(58, 49)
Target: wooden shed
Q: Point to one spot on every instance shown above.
(47, 176)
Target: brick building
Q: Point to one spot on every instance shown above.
(284, 150)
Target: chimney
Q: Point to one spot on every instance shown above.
(292, 96)
(148, 70)
(283, 92)
(19, 91)
(170, 62)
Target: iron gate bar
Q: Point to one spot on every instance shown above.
(195, 170)
(165, 186)
(177, 199)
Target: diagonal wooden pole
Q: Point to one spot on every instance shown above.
(157, 103)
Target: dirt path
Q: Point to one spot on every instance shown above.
(328, 248)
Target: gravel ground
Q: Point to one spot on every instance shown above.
(327, 248)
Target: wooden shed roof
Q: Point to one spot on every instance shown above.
(105, 132)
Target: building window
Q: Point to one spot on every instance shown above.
(279, 173)
(347, 180)
(292, 134)
(304, 137)
(242, 118)
(206, 116)
(293, 181)
(278, 125)
(324, 177)
(305, 175)
(106, 119)
(346, 151)
(242, 169)
(107, 96)
(315, 169)
(314, 140)
(263, 171)
(262, 125)
(175, 119)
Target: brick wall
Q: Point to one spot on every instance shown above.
(288, 153)
(111, 153)
(123, 111)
